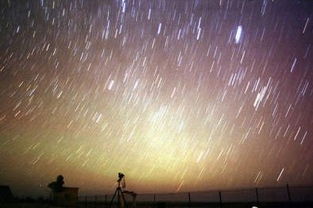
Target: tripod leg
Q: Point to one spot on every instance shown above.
(119, 201)
(113, 198)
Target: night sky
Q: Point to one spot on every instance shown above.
(179, 95)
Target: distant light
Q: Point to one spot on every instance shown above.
(123, 6)
(149, 14)
(159, 28)
(111, 85)
(293, 65)
(238, 34)
(281, 172)
(254, 207)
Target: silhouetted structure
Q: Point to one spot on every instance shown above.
(67, 197)
(63, 196)
(5, 194)
(57, 186)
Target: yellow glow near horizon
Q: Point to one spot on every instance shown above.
(163, 91)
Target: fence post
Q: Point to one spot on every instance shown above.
(154, 202)
(189, 200)
(288, 192)
(220, 195)
(257, 195)
(95, 201)
(85, 201)
(105, 200)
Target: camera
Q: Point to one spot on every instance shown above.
(120, 176)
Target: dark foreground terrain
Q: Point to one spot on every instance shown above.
(169, 205)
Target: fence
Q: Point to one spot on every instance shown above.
(297, 196)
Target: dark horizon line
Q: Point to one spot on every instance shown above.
(229, 190)
(243, 188)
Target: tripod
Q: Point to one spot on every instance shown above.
(119, 192)
(120, 198)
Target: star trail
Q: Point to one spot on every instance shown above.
(180, 95)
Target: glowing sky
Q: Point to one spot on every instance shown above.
(179, 95)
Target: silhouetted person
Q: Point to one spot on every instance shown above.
(57, 186)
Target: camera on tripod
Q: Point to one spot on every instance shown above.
(119, 193)
(120, 176)
(121, 180)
